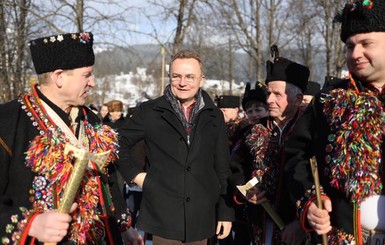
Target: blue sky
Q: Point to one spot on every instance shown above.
(140, 19)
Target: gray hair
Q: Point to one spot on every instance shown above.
(292, 90)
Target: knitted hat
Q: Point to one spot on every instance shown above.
(361, 16)
(259, 94)
(286, 70)
(228, 101)
(312, 88)
(63, 51)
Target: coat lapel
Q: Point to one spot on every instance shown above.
(169, 116)
(206, 117)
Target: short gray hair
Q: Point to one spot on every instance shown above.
(292, 90)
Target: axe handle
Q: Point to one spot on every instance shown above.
(314, 168)
(273, 215)
(72, 188)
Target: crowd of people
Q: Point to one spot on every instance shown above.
(189, 169)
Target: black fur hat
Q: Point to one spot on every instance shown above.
(361, 16)
(259, 93)
(286, 70)
(228, 101)
(63, 51)
(312, 88)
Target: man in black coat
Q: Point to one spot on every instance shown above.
(34, 167)
(260, 155)
(185, 182)
(344, 129)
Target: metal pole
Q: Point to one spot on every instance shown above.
(162, 51)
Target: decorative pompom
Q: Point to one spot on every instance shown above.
(357, 124)
(367, 4)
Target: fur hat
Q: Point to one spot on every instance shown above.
(312, 88)
(63, 51)
(259, 94)
(115, 105)
(228, 101)
(361, 16)
(331, 81)
(286, 70)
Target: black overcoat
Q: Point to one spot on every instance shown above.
(185, 186)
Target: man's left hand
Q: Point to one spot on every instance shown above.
(223, 229)
(132, 237)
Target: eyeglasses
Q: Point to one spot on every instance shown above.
(190, 78)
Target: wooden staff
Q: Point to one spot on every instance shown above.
(314, 170)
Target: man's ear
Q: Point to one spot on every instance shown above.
(299, 98)
(57, 77)
(202, 81)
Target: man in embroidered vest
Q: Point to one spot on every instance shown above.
(185, 183)
(34, 169)
(344, 129)
(261, 155)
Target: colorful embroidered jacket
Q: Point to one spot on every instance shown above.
(261, 154)
(34, 172)
(344, 129)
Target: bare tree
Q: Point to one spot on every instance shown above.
(13, 35)
(240, 21)
(255, 25)
(330, 32)
(306, 45)
(24, 20)
(219, 29)
(183, 15)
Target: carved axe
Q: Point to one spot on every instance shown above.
(82, 159)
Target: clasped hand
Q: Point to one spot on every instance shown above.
(255, 195)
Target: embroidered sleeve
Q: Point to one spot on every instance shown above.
(125, 220)
(17, 228)
(238, 198)
(303, 206)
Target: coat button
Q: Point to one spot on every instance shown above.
(188, 168)
(188, 199)
(181, 139)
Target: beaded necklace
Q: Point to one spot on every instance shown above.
(264, 148)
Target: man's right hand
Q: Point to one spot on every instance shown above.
(51, 226)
